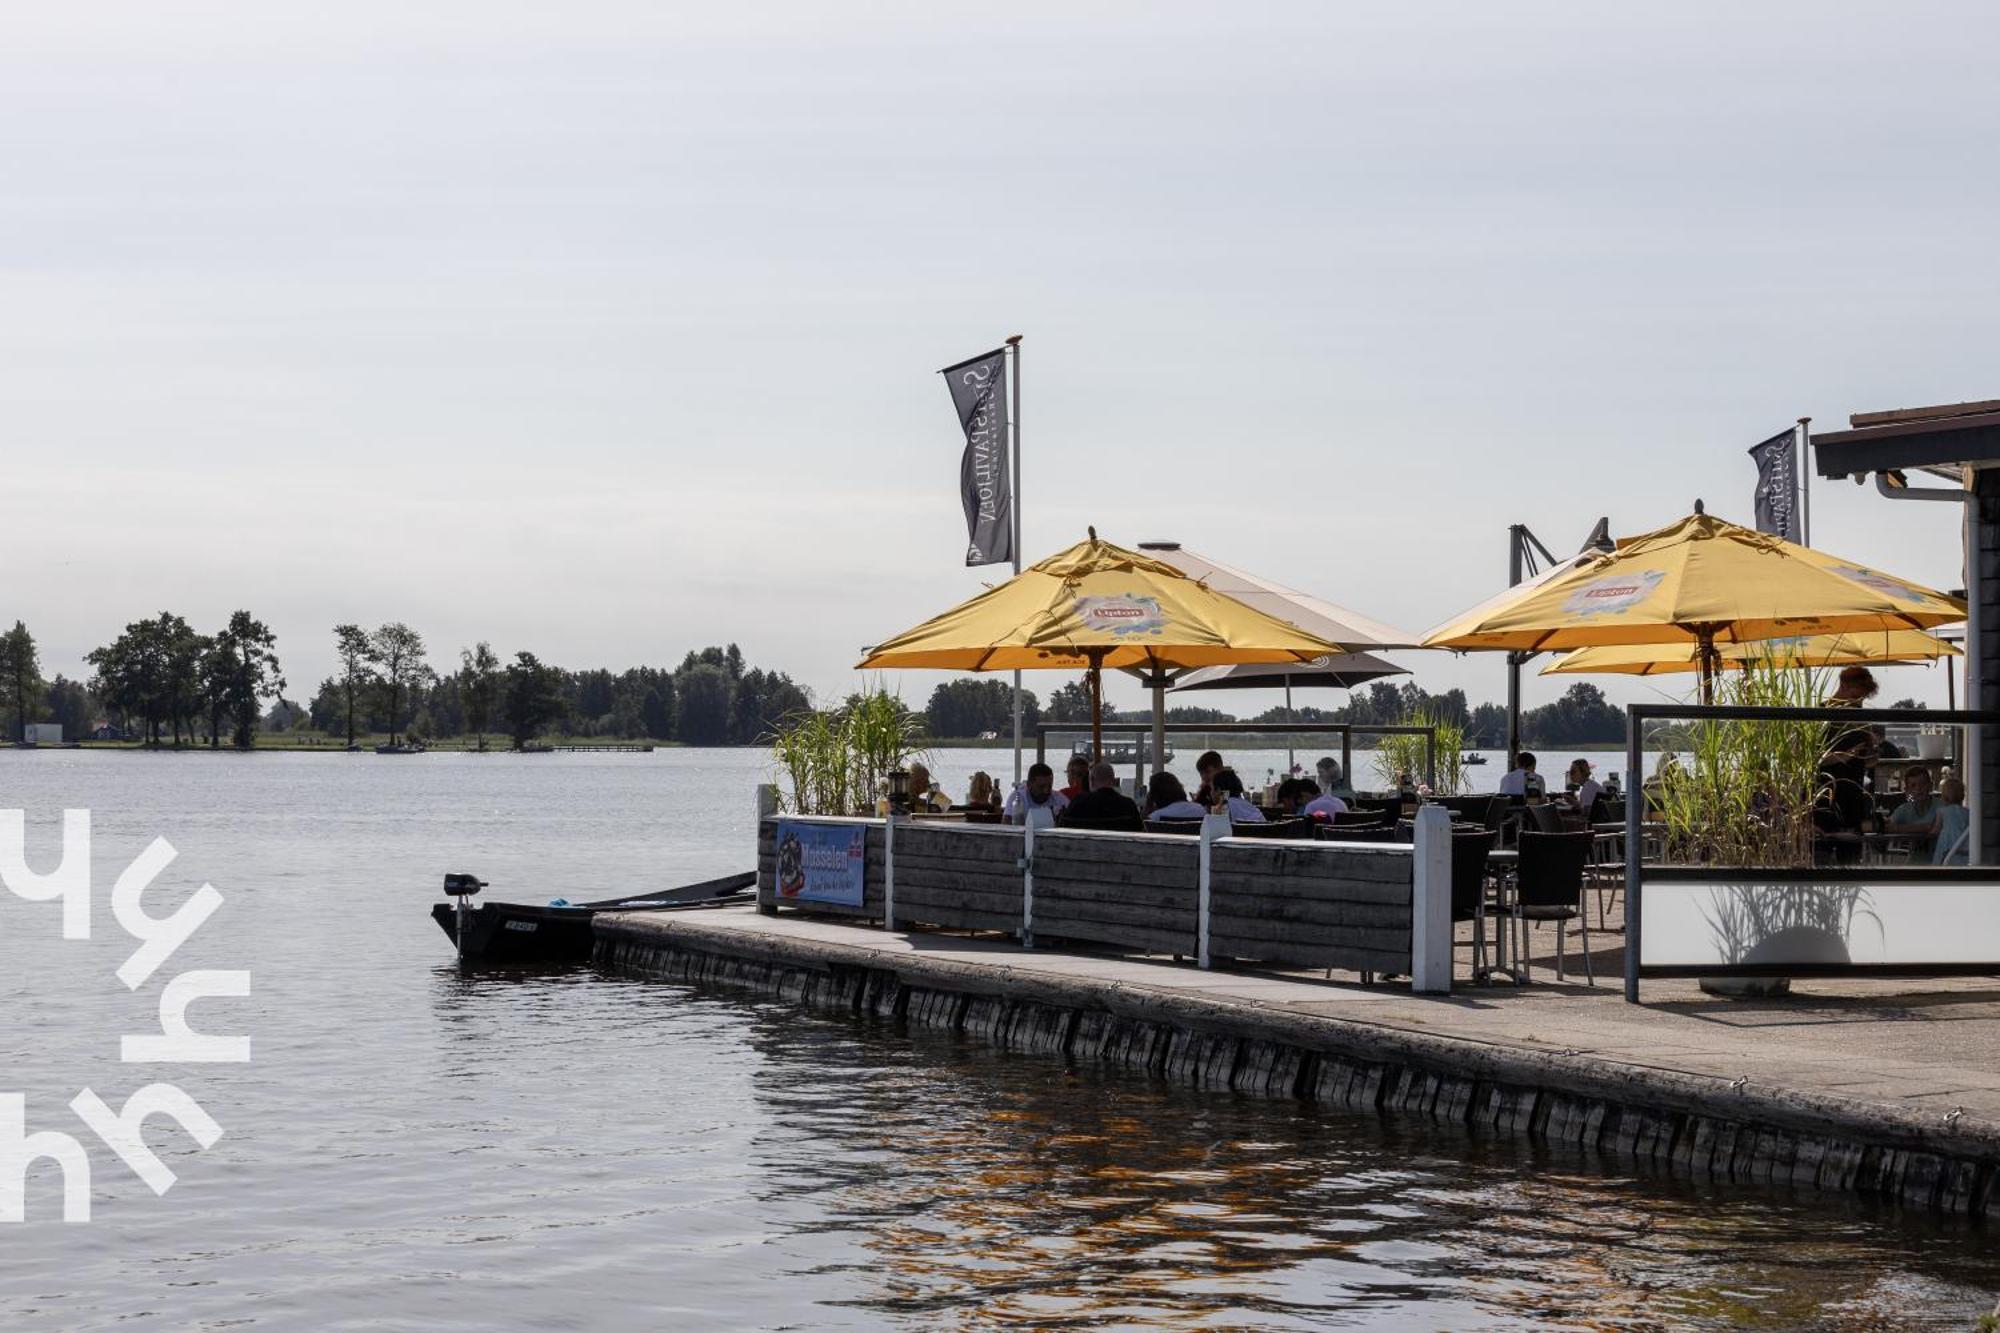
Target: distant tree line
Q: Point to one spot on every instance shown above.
(1581, 717)
(163, 682)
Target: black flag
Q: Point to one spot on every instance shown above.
(1777, 494)
(979, 392)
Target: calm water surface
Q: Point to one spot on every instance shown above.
(413, 1149)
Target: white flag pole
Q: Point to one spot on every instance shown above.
(1805, 481)
(1014, 480)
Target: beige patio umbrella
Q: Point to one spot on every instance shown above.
(1702, 582)
(1093, 606)
(1816, 650)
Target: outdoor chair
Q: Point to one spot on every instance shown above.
(1187, 827)
(1360, 818)
(1356, 833)
(1543, 818)
(1273, 828)
(1468, 887)
(1104, 824)
(1548, 886)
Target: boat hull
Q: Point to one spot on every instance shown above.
(525, 933)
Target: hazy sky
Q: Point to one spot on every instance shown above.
(608, 330)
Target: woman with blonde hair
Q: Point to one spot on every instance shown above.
(984, 794)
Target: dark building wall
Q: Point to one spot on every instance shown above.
(1985, 691)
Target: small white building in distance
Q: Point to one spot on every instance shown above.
(44, 733)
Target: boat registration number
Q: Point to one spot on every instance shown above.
(524, 925)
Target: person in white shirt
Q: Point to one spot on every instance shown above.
(1587, 787)
(1522, 780)
(1037, 793)
(1166, 798)
(1326, 805)
(1228, 789)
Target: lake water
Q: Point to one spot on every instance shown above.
(409, 1148)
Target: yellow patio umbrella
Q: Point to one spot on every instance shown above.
(1093, 606)
(1813, 650)
(1699, 581)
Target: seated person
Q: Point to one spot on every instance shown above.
(1521, 779)
(1103, 803)
(1331, 780)
(1918, 814)
(1583, 788)
(1166, 798)
(1295, 793)
(984, 794)
(1037, 793)
(1954, 830)
(1206, 768)
(926, 797)
(1321, 807)
(1229, 800)
(1076, 777)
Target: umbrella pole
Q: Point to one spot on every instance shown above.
(1159, 755)
(1096, 708)
(1706, 649)
(1291, 759)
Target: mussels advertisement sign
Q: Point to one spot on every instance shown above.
(821, 863)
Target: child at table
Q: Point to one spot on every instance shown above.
(1948, 844)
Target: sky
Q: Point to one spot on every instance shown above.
(608, 330)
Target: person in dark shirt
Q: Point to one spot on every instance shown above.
(1103, 804)
(1206, 768)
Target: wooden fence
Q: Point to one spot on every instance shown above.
(1362, 907)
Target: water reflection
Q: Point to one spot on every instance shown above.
(1005, 1189)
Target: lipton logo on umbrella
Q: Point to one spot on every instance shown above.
(1121, 615)
(1613, 592)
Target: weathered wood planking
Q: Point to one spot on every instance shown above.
(1311, 905)
(1137, 891)
(960, 877)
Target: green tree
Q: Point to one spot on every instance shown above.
(152, 672)
(705, 695)
(1069, 703)
(478, 682)
(533, 697)
(239, 669)
(357, 670)
(70, 704)
(21, 686)
(397, 652)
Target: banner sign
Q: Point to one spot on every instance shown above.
(822, 863)
(979, 392)
(1777, 495)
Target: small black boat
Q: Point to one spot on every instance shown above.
(521, 933)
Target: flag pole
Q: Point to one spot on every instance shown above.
(1014, 480)
(1805, 481)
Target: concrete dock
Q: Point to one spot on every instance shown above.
(1879, 1088)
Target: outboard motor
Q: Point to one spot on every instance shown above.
(459, 888)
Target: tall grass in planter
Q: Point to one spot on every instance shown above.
(1399, 753)
(836, 761)
(1742, 793)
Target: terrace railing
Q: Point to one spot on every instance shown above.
(1808, 921)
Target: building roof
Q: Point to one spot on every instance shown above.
(1942, 439)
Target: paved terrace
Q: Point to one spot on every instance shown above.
(1912, 1062)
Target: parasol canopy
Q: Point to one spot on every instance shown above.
(1700, 581)
(1815, 650)
(1093, 606)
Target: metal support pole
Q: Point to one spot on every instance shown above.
(1291, 756)
(1014, 344)
(1635, 811)
(1805, 481)
(1159, 755)
(1514, 660)
(1976, 694)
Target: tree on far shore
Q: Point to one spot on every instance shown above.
(357, 668)
(478, 682)
(21, 686)
(533, 698)
(397, 652)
